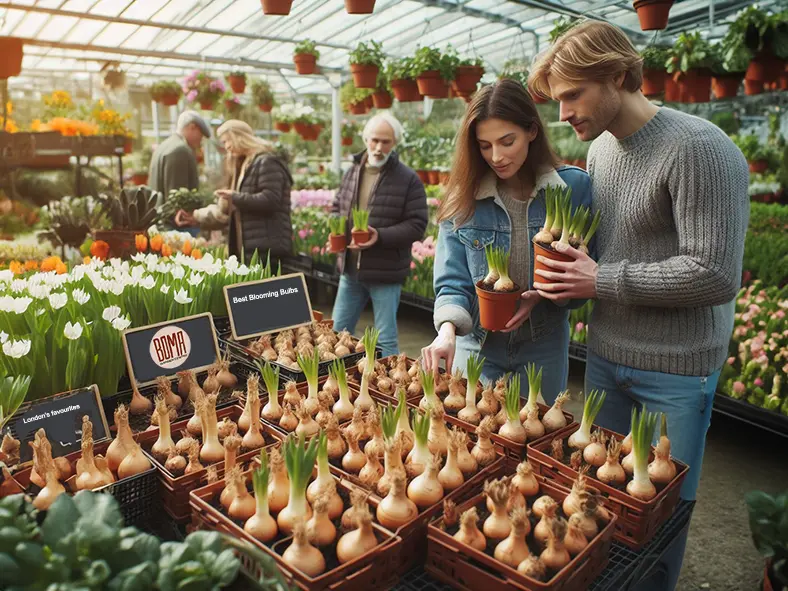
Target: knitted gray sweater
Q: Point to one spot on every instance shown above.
(675, 210)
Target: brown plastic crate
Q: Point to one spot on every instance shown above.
(175, 489)
(377, 569)
(638, 521)
(470, 570)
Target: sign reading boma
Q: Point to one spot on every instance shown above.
(170, 347)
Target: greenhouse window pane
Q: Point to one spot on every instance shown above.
(142, 38)
(12, 19)
(143, 9)
(176, 10)
(170, 40)
(48, 3)
(78, 5)
(110, 7)
(197, 43)
(227, 45)
(241, 13)
(114, 35)
(57, 27)
(84, 31)
(206, 17)
(30, 25)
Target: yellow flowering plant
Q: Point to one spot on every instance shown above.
(6, 122)
(109, 121)
(58, 104)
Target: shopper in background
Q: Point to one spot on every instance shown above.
(377, 181)
(174, 162)
(495, 196)
(257, 199)
(672, 191)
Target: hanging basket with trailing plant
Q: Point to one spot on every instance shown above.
(359, 6)
(237, 81)
(283, 126)
(11, 53)
(654, 59)
(382, 99)
(689, 62)
(366, 60)
(731, 59)
(277, 7)
(262, 95)
(204, 89)
(653, 14)
(166, 92)
(434, 72)
(305, 57)
(765, 35)
(467, 75)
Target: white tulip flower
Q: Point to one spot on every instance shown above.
(242, 270)
(20, 305)
(138, 257)
(195, 279)
(111, 313)
(165, 289)
(17, 349)
(6, 275)
(80, 297)
(182, 297)
(231, 264)
(117, 287)
(120, 324)
(3, 336)
(73, 331)
(58, 300)
(147, 282)
(177, 272)
(18, 285)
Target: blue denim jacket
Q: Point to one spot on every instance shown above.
(460, 260)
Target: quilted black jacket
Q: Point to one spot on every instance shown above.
(398, 211)
(263, 204)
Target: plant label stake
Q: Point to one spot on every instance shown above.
(61, 417)
(166, 348)
(269, 305)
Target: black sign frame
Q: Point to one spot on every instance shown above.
(197, 369)
(245, 286)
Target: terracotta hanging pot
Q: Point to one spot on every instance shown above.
(432, 85)
(11, 53)
(758, 166)
(701, 87)
(266, 107)
(433, 177)
(653, 14)
(359, 6)
(347, 141)
(305, 63)
(207, 105)
(466, 78)
(765, 67)
(315, 130)
(752, 87)
(726, 86)
(424, 176)
(369, 102)
(169, 100)
(382, 99)
(405, 90)
(365, 75)
(282, 126)
(653, 82)
(139, 179)
(496, 308)
(302, 129)
(237, 83)
(672, 90)
(358, 108)
(277, 7)
(128, 146)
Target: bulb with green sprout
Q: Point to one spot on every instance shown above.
(586, 239)
(504, 283)
(545, 236)
(492, 274)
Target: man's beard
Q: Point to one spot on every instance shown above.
(377, 161)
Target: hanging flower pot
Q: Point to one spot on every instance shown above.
(424, 176)
(359, 6)
(365, 75)
(265, 107)
(237, 83)
(347, 141)
(466, 78)
(282, 126)
(653, 82)
(765, 67)
(496, 308)
(701, 87)
(139, 179)
(653, 14)
(382, 99)
(305, 63)
(758, 166)
(369, 102)
(405, 90)
(752, 87)
(433, 177)
(315, 130)
(207, 104)
(672, 90)
(10, 57)
(232, 106)
(302, 129)
(277, 7)
(169, 100)
(726, 86)
(358, 108)
(432, 85)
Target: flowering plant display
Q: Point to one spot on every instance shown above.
(64, 327)
(58, 104)
(201, 87)
(165, 88)
(310, 233)
(7, 124)
(109, 121)
(313, 198)
(422, 265)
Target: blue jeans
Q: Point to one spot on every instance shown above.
(504, 353)
(352, 298)
(687, 401)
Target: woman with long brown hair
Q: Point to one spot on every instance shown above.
(502, 164)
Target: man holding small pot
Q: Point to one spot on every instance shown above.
(394, 196)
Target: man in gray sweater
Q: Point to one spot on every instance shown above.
(174, 162)
(672, 192)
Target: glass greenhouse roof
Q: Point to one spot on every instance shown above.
(154, 39)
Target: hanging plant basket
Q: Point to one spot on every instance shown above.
(365, 75)
(139, 179)
(726, 86)
(10, 57)
(282, 126)
(672, 90)
(369, 102)
(752, 87)
(265, 107)
(424, 176)
(432, 85)
(305, 63)
(169, 100)
(758, 166)
(277, 7)
(382, 99)
(359, 108)
(695, 86)
(314, 131)
(765, 67)
(433, 176)
(207, 105)
(302, 129)
(653, 82)
(653, 14)
(406, 90)
(347, 141)
(466, 78)
(237, 83)
(359, 6)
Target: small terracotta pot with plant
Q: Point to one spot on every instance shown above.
(653, 14)
(305, 57)
(11, 53)
(731, 59)
(498, 294)
(166, 92)
(349, 130)
(689, 62)
(237, 81)
(366, 61)
(337, 236)
(758, 156)
(263, 95)
(276, 7)
(434, 72)
(467, 75)
(360, 231)
(654, 73)
(765, 35)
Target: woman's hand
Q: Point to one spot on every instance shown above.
(224, 194)
(529, 299)
(442, 347)
(184, 218)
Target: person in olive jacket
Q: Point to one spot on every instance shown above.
(397, 204)
(259, 195)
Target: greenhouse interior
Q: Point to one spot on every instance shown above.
(273, 271)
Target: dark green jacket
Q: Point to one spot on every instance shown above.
(173, 166)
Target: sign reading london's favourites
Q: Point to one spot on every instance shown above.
(166, 348)
(269, 305)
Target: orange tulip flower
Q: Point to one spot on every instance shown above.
(61, 268)
(49, 264)
(196, 254)
(16, 267)
(156, 242)
(141, 241)
(99, 249)
(187, 248)
(166, 250)
(31, 265)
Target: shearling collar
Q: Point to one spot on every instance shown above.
(489, 184)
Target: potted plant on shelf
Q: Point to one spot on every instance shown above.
(359, 6)
(263, 95)
(277, 7)
(653, 14)
(765, 35)
(202, 88)
(768, 516)
(731, 59)
(10, 57)
(131, 212)
(689, 61)
(403, 80)
(337, 236)
(654, 72)
(166, 92)
(467, 75)
(434, 72)
(237, 80)
(366, 61)
(305, 57)
(758, 155)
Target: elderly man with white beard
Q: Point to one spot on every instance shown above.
(394, 196)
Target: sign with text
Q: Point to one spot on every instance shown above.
(61, 417)
(270, 305)
(166, 348)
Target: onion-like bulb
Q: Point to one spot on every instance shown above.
(534, 429)
(554, 418)
(400, 372)
(175, 464)
(231, 446)
(253, 438)
(484, 451)
(226, 378)
(194, 464)
(279, 486)
(184, 382)
(662, 470)
(525, 480)
(164, 388)
(594, 453)
(118, 449)
(533, 567)
(357, 426)
(225, 428)
(514, 549)
(211, 384)
(465, 460)
(289, 421)
(301, 554)
(497, 526)
(139, 405)
(571, 504)
(194, 426)
(540, 504)
(184, 443)
(375, 444)
(52, 488)
(372, 471)
(626, 445)
(438, 436)
(135, 462)
(425, 490)
(392, 460)
(243, 506)
(361, 540)
(396, 509)
(354, 460)
(469, 533)
(164, 444)
(488, 405)
(542, 529)
(291, 396)
(230, 489)
(320, 529)
(575, 540)
(211, 450)
(451, 476)
(456, 399)
(89, 476)
(336, 446)
(628, 463)
(587, 516)
(324, 402)
(611, 472)
(556, 556)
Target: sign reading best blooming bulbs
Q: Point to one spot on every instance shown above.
(167, 348)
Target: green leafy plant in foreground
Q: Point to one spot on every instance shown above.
(769, 528)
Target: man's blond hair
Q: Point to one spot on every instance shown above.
(591, 50)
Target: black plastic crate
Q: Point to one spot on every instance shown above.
(769, 420)
(137, 496)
